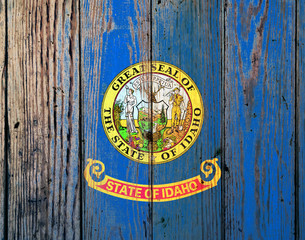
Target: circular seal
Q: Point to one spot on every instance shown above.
(152, 112)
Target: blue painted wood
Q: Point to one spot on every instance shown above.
(115, 34)
(187, 34)
(249, 68)
(259, 126)
(300, 120)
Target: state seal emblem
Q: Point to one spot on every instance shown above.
(152, 113)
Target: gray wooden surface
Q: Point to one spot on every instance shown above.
(3, 136)
(43, 120)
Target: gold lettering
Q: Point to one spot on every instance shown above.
(123, 190)
(109, 186)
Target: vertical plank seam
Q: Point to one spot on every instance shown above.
(151, 168)
(296, 125)
(80, 129)
(223, 119)
(6, 129)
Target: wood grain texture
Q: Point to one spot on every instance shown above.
(58, 57)
(43, 62)
(187, 34)
(259, 120)
(115, 34)
(300, 120)
(3, 119)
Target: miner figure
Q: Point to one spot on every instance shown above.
(177, 101)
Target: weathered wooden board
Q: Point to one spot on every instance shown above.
(115, 34)
(259, 190)
(300, 121)
(57, 59)
(3, 120)
(187, 34)
(43, 114)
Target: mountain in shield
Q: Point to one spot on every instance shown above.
(152, 119)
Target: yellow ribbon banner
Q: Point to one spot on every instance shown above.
(208, 178)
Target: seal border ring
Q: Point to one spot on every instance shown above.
(148, 161)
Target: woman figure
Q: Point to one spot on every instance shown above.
(130, 101)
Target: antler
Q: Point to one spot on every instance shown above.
(159, 89)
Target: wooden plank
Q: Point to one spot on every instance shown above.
(259, 120)
(187, 34)
(3, 122)
(43, 107)
(300, 121)
(115, 34)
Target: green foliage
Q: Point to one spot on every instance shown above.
(117, 111)
(163, 118)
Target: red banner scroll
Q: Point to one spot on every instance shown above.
(210, 174)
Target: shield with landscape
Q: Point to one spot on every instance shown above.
(152, 120)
